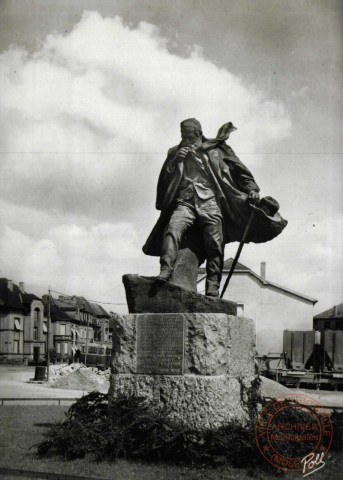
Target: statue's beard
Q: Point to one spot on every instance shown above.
(197, 143)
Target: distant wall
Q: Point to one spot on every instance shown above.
(272, 310)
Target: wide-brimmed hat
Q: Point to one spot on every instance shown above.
(267, 206)
(266, 218)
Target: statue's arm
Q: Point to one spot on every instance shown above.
(244, 179)
(165, 177)
(240, 174)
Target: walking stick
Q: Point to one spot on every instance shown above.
(234, 263)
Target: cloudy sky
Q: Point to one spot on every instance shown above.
(92, 94)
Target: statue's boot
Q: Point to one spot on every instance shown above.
(212, 289)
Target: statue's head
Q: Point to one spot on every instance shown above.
(191, 132)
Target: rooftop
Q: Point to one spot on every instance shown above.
(240, 268)
(333, 312)
(13, 297)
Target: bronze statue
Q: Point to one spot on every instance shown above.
(206, 196)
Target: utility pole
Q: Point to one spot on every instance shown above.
(87, 339)
(48, 338)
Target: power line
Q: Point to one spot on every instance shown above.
(164, 153)
(90, 301)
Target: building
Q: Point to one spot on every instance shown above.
(24, 325)
(23, 328)
(331, 319)
(63, 342)
(274, 308)
(77, 322)
(104, 323)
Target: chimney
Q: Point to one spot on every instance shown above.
(22, 287)
(335, 311)
(263, 270)
(10, 285)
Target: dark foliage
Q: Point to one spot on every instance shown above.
(251, 397)
(130, 428)
(337, 425)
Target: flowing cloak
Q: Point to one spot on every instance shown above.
(232, 181)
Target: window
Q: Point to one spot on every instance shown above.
(36, 317)
(17, 324)
(16, 342)
(62, 329)
(92, 350)
(101, 351)
(45, 328)
(35, 333)
(65, 347)
(58, 348)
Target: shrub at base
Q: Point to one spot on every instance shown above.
(132, 429)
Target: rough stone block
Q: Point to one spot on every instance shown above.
(195, 401)
(145, 295)
(217, 364)
(215, 343)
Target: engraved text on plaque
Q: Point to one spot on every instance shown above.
(160, 344)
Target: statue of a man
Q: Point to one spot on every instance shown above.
(205, 189)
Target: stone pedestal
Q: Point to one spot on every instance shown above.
(199, 365)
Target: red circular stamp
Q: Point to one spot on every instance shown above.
(294, 432)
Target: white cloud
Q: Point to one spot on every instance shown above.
(301, 92)
(112, 241)
(78, 114)
(91, 115)
(70, 257)
(306, 258)
(106, 87)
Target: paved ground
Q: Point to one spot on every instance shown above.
(14, 378)
(13, 384)
(325, 397)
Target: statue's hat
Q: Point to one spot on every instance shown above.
(268, 206)
(267, 217)
(191, 123)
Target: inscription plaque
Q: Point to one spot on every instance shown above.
(160, 344)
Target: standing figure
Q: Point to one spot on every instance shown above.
(205, 189)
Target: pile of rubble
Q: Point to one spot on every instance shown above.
(271, 389)
(78, 377)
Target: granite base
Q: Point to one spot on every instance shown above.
(195, 401)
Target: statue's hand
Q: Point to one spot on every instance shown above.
(254, 197)
(181, 154)
(178, 158)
